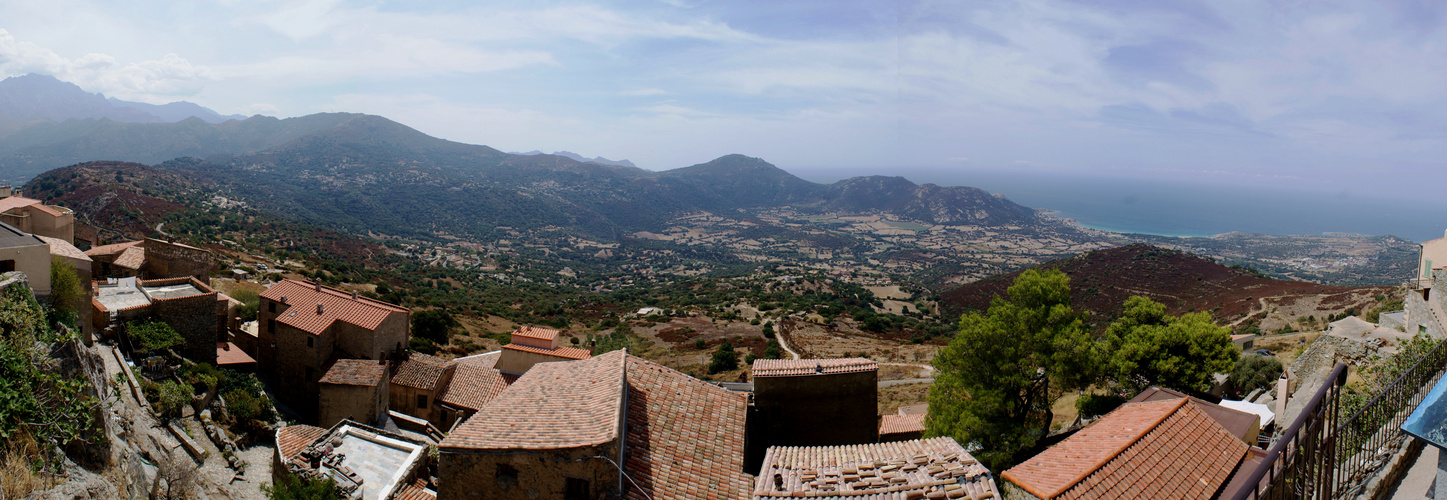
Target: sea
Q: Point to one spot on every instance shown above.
(1175, 208)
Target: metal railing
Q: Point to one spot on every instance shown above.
(1301, 463)
(1364, 436)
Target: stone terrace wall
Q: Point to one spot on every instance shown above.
(195, 319)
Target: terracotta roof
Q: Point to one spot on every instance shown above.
(131, 258)
(292, 439)
(1244, 425)
(228, 354)
(485, 360)
(337, 305)
(47, 209)
(64, 248)
(900, 424)
(900, 469)
(473, 386)
(536, 332)
(10, 202)
(562, 352)
(417, 490)
(1152, 449)
(420, 371)
(685, 436)
(793, 367)
(111, 249)
(355, 372)
(554, 405)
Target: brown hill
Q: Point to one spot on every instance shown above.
(1101, 280)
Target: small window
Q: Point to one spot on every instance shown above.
(311, 373)
(271, 325)
(310, 342)
(1422, 329)
(7, 266)
(507, 476)
(270, 306)
(421, 401)
(575, 489)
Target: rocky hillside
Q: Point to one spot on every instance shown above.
(1101, 280)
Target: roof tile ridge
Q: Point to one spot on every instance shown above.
(1101, 463)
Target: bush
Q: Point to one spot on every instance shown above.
(1094, 405)
(435, 325)
(1254, 371)
(724, 359)
(202, 374)
(422, 345)
(153, 336)
(246, 406)
(170, 398)
(699, 344)
(291, 487)
(773, 350)
(250, 304)
(769, 330)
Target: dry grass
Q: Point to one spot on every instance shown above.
(17, 479)
(895, 396)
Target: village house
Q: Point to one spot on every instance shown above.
(613, 425)
(919, 468)
(191, 307)
(35, 217)
(353, 389)
(150, 259)
(1191, 448)
(21, 251)
(365, 462)
(813, 402)
(444, 393)
(531, 345)
(304, 327)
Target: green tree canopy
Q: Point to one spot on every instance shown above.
(1149, 347)
(435, 325)
(724, 359)
(65, 291)
(997, 380)
(152, 336)
(1254, 371)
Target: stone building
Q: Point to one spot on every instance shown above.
(191, 307)
(353, 389)
(531, 345)
(813, 402)
(151, 259)
(304, 326)
(35, 217)
(365, 462)
(445, 392)
(564, 429)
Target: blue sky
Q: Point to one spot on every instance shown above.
(1322, 96)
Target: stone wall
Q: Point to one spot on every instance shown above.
(815, 410)
(462, 474)
(361, 403)
(167, 260)
(195, 318)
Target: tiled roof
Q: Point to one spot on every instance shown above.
(900, 424)
(552, 406)
(562, 352)
(536, 332)
(131, 258)
(685, 436)
(292, 439)
(228, 354)
(1242, 424)
(337, 305)
(10, 202)
(473, 386)
(1152, 449)
(901, 469)
(793, 367)
(111, 249)
(64, 248)
(355, 372)
(47, 209)
(417, 490)
(420, 371)
(485, 360)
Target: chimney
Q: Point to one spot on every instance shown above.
(354, 295)
(318, 285)
(283, 299)
(319, 308)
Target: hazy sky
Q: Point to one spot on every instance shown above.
(1321, 95)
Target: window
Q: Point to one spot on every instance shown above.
(271, 325)
(310, 342)
(575, 489)
(311, 373)
(7, 266)
(421, 401)
(1422, 329)
(507, 476)
(270, 306)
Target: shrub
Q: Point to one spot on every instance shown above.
(1094, 405)
(699, 344)
(422, 345)
(1254, 371)
(153, 336)
(724, 359)
(170, 398)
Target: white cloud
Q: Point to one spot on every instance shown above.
(155, 80)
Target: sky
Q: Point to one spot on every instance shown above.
(1327, 96)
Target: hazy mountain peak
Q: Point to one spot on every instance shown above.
(35, 96)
